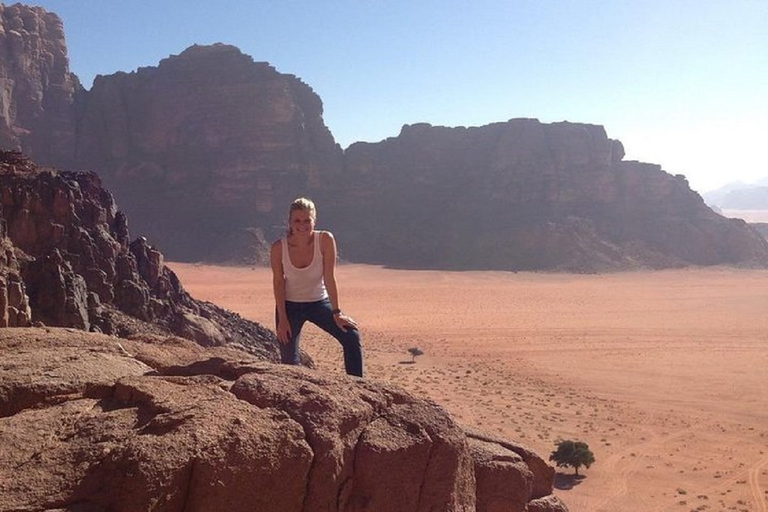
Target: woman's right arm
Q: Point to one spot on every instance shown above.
(278, 286)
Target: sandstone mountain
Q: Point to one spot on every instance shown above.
(202, 149)
(205, 151)
(526, 195)
(182, 406)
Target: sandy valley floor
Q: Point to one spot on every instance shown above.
(663, 374)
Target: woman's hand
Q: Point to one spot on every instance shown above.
(344, 322)
(283, 331)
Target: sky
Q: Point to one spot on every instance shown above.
(681, 83)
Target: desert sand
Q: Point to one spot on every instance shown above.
(664, 374)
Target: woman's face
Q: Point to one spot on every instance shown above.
(301, 222)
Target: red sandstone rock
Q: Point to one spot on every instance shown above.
(375, 447)
(91, 422)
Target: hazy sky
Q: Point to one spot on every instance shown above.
(682, 83)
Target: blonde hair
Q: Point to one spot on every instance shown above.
(304, 204)
(301, 204)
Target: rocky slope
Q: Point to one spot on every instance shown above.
(67, 261)
(762, 228)
(526, 195)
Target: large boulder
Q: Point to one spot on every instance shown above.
(91, 422)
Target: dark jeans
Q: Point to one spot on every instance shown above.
(320, 313)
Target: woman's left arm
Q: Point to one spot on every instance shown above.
(329, 276)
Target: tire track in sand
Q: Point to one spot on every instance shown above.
(754, 485)
(624, 465)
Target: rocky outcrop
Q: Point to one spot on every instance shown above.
(525, 195)
(37, 91)
(68, 261)
(91, 422)
(202, 149)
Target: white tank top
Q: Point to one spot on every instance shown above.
(304, 284)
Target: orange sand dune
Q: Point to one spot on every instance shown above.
(664, 374)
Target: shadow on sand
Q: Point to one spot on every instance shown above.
(567, 482)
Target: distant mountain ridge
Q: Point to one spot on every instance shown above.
(740, 196)
(205, 151)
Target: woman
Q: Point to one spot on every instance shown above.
(304, 282)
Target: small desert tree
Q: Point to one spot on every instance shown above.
(415, 351)
(572, 453)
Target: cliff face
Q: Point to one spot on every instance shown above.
(202, 148)
(37, 90)
(526, 195)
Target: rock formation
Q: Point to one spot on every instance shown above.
(91, 422)
(37, 91)
(67, 261)
(205, 151)
(203, 148)
(526, 195)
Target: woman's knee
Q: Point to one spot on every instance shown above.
(351, 337)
